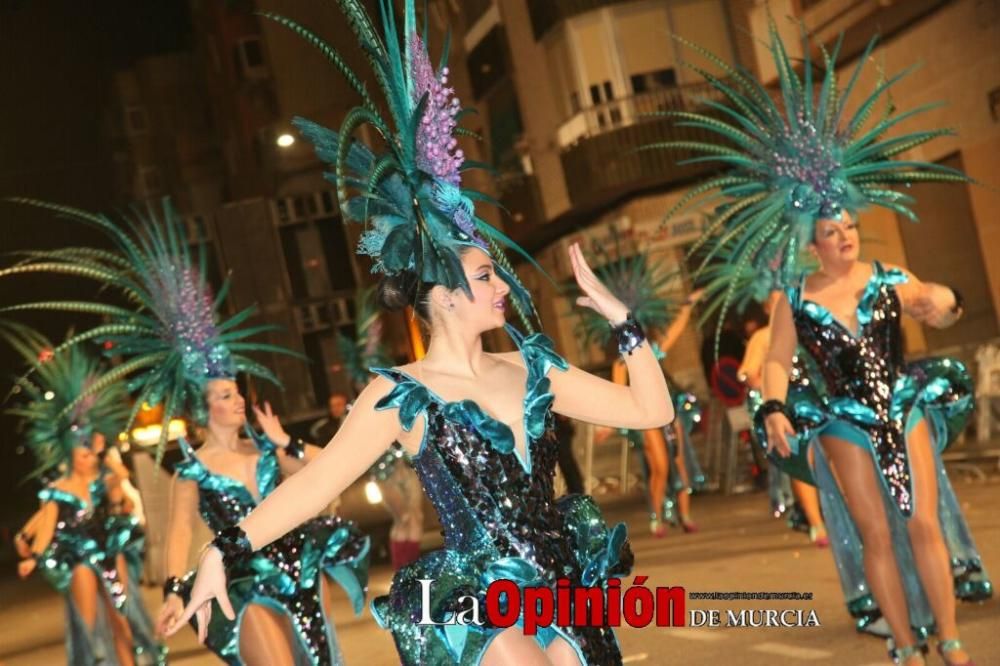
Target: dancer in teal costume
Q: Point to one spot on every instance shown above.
(478, 425)
(795, 180)
(80, 545)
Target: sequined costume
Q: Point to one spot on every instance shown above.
(499, 519)
(86, 535)
(857, 387)
(285, 575)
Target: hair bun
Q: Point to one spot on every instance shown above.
(397, 291)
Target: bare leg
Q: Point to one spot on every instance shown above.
(119, 624)
(561, 653)
(513, 647)
(683, 497)
(83, 590)
(655, 449)
(807, 497)
(857, 474)
(265, 638)
(929, 549)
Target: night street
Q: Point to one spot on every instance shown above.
(738, 549)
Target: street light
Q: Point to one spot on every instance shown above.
(285, 140)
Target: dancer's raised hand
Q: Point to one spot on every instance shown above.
(596, 296)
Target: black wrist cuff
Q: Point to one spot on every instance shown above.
(296, 448)
(234, 545)
(772, 407)
(630, 335)
(171, 585)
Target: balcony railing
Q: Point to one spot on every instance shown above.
(619, 113)
(545, 14)
(600, 157)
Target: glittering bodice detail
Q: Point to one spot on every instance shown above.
(222, 500)
(499, 518)
(860, 371)
(489, 500)
(81, 537)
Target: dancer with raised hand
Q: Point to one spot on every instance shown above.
(669, 464)
(875, 425)
(477, 425)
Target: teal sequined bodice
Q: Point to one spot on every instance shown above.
(499, 515)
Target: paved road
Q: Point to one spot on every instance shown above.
(739, 548)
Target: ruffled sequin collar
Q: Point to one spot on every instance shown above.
(866, 305)
(412, 398)
(192, 469)
(53, 494)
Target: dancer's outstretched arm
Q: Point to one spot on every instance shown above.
(927, 302)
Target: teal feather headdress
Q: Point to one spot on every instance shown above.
(793, 161)
(54, 420)
(644, 286)
(416, 213)
(171, 336)
(365, 350)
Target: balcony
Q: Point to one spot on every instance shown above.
(600, 157)
(546, 14)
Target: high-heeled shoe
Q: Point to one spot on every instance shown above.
(657, 528)
(904, 654)
(950, 646)
(688, 526)
(818, 536)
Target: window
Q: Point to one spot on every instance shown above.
(250, 58)
(487, 62)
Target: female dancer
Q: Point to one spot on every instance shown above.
(805, 496)
(478, 425)
(398, 484)
(282, 600)
(641, 286)
(874, 424)
(180, 354)
(74, 540)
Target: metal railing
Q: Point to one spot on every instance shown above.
(603, 162)
(626, 111)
